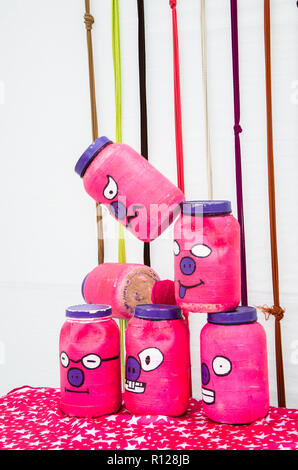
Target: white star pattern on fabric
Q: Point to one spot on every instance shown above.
(32, 420)
(130, 447)
(92, 432)
(140, 439)
(133, 420)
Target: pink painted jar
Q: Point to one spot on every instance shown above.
(121, 285)
(207, 257)
(136, 194)
(234, 369)
(157, 371)
(89, 350)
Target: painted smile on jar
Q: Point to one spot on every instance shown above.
(183, 288)
(119, 211)
(208, 396)
(135, 214)
(76, 375)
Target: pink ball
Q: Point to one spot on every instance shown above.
(207, 257)
(163, 292)
(121, 285)
(234, 368)
(136, 194)
(89, 350)
(157, 372)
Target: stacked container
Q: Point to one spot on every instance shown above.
(89, 351)
(135, 193)
(207, 257)
(157, 372)
(234, 367)
(207, 279)
(233, 345)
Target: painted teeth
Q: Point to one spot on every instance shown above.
(136, 387)
(208, 396)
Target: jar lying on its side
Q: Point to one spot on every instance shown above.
(136, 194)
(121, 285)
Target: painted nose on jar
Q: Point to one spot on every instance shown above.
(118, 209)
(75, 377)
(205, 374)
(133, 369)
(187, 265)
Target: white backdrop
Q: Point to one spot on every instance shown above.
(48, 233)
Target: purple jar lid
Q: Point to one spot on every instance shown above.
(88, 156)
(82, 286)
(157, 312)
(88, 311)
(237, 317)
(200, 208)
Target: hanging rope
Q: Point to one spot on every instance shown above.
(118, 104)
(177, 97)
(89, 20)
(178, 118)
(205, 93)
(143, 98)
(237, 130)
(276, 310)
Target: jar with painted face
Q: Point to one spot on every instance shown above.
(207, 257)
(135, 193)
(234, 369)
(89, 362)
(157, 372)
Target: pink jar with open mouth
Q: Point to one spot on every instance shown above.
(234, 369)
(89, 350)
(207, 257)
(157, 372)
(136, 194)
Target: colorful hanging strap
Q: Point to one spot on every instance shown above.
(89, 20)
(237, 130)
(178, 119)
(205, 93)
(118, 103)
(276, 310)
(143, 98)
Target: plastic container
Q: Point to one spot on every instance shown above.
(157, 372)
(207, 257)
(89, 362)
(121, 285)
(234, 367)
(136, 194)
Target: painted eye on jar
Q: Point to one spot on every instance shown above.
(91, 361)
(64, 359)
(200, 250)
(150, 358)
(221, 365)
(111, 189)
(176, 248)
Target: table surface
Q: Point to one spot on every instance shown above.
(30, 419)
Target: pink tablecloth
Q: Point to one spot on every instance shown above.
(30, 419)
